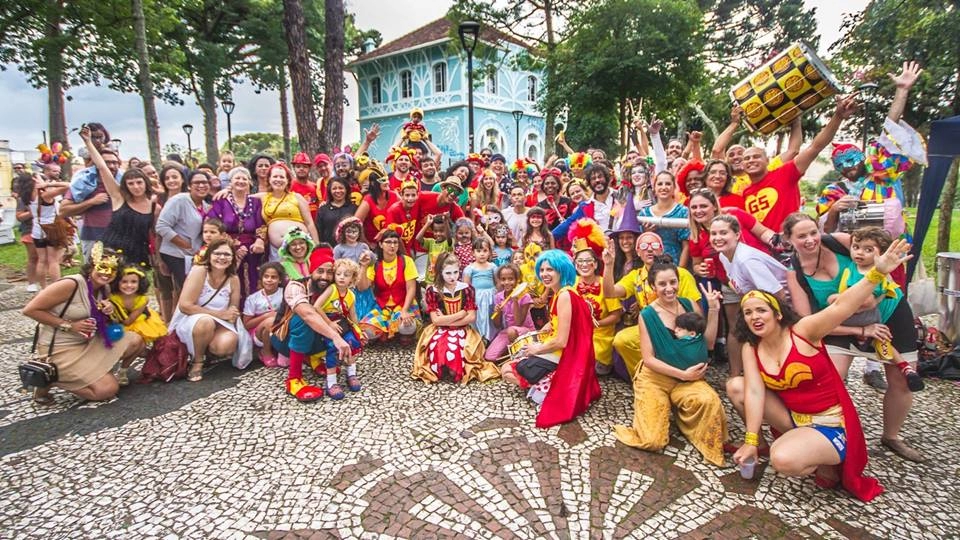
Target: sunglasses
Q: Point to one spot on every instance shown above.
(649, 245)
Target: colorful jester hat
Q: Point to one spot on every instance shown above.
(585, 234)
(579, 161)
(524, 164)
(398, 151)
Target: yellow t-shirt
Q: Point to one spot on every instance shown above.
(390, 270)
(635, 284)
(332, 305)
(741, 181)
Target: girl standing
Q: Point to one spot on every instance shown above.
(479, 274)
(675, 241)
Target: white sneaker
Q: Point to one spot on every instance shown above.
(33, 287)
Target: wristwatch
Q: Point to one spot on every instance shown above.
(64, 326)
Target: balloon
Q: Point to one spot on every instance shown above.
(62, 160)
(43, 148)
(115, 332)
(45, 157)
(57, 147)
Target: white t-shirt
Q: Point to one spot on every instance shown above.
(260, 302)
(753, 269)
(516, 222)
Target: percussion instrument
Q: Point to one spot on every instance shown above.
(863, 215)
(948, 285)
(664, 222)
(516, 292)
(522, 341)
(790, 84)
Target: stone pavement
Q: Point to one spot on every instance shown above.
(234, 457)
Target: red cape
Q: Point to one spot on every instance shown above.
(574, 386)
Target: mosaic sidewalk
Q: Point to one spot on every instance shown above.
(234, 457)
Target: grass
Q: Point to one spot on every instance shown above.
(13, 261)
(929, 253)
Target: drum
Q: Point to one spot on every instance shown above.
(793, 82)
(863, 215)
(948, 285)
(520, 342)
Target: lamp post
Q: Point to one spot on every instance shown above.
(188, 129)
(469, 36)
(228, 106)
(866, 90)
(115, 144)
(518, 115)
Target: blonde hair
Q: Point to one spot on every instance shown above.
(349, 264)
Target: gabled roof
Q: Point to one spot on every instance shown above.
(437, 30)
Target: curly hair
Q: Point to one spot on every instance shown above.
(788, 317)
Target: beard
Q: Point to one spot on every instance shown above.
(317, 286)
(599, 187)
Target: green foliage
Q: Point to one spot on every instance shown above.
(247, 145)
(595, 129)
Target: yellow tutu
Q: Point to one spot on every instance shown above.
(149, 325)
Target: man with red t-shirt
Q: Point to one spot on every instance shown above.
(403, 165)
(773, 195)
(324, 167)
(302, 184)
(414, 205)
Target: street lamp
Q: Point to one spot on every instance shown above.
(188, 129)
(115, 144)
(228, 106)
(867, 90)
(517, 115)
(469, 36)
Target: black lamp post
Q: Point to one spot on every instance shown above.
(188, 129)
(228, 106)
(469, 36)
(518, 115)
(867, 90)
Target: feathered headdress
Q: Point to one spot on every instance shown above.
(586, 234)
(476, 158)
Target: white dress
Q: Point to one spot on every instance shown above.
(183, 324)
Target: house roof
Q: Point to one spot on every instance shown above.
(437, 30)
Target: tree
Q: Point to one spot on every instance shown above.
(626, 56)
(889, 32)
(144, 82)
(299, 66)
(333, 85)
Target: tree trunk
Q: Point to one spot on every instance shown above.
(624, 129)
(208, 104)
(54, 71)
(331, 133)
(284, 111)
(946, 207)
(299, 62)
(144, 82)
(550, 111)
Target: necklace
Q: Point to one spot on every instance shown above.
(665, 308)
(817, 267)
(242, 215)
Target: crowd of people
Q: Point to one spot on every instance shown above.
(644, 268)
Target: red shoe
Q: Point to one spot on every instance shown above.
(304, 392)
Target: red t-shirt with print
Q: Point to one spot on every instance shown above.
(774, 197)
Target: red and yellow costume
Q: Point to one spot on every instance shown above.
(459, 349)
(813, 391)
(389, 281)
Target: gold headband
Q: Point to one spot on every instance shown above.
(134, 270)
(766, 297)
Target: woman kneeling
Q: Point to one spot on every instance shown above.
(790, 382)
(675, 344)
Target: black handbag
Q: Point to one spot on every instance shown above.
(39, 371)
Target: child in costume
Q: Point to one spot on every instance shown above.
(260, 309)
(414, 130)
(338, 303)
(213, 229)
(439, 225)
(866, 243)
(130, 309)
(511, 311)
(463, 246)
(295, 253)
(538, 293)
(501, 245)
(479, 275)
(449, 344)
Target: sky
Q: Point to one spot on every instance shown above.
(24, 109)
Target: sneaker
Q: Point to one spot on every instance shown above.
(874, 379)
(603, 369)
(33, 287)
(914, 380)
(353, 383)
(283, 361)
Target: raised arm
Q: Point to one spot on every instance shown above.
(610, 288)
(370, 136)
(815, 327)
(794, 142)
(904, 81)
(846, 106)
(659, 153)
(113, 189)
(719, 149)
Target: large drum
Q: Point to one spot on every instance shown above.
(948, 285)
(522, 341)
(793, 82)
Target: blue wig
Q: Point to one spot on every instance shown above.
(561, 262)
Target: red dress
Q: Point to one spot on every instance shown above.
(574, 385)
(447, 347)
(811, 385)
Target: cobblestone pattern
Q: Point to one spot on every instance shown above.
(402, 459)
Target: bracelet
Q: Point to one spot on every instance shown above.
(751, 438)
(875, 276)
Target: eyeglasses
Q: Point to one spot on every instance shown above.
(221, 255)
(200, 183)
(649, 245)
(390, 241)
(582, 262)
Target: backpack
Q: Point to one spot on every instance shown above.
(166, 361)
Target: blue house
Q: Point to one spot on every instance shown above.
(427, 69)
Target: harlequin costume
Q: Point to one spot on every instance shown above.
(339, 308)
(458, 350)
(699, 411)
(573, 386)
(412, 174)
(813, 391)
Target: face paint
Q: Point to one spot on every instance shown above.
(450, 274)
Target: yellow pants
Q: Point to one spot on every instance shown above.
(627, 343)
(699, 414)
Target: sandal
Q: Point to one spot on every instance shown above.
(353, 383)
(196, 372)
(335, 392)
(41, 396)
